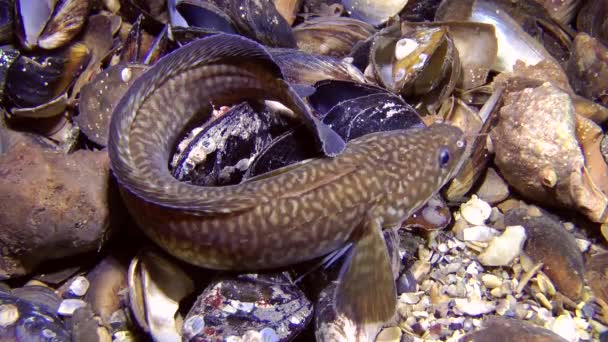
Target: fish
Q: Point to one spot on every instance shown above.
(297, 213)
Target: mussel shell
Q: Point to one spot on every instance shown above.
(66, 22)
(6, 21)
(260, 20)
(289, 148)
(363, 115)
(222, 151)
(374, 12)
(38, 78)
(268, 304)
(351, 109)
(205, 15)
(331, 36)
(331, 92)
(30, 18)
(39, 295)
(511, 20)
(304, 68)
(25, 321)
(99, 97)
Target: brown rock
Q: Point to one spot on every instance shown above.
(588, 68)
(507, 330)
(52, 205)
(550, 243)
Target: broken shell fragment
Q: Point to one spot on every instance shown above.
(538, 154)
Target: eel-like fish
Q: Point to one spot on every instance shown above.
(294, 214)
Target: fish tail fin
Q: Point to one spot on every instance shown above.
(366, 287)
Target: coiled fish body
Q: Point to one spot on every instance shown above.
(297, 213)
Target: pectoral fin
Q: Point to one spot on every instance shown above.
(366, 290)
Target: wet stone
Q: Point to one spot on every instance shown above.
(549, 243)
(263, 303)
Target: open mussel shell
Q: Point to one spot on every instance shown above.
(38, 78)
(514, 43)
(303, 68)
(331, 36)
(415, 60)
(49, 24)
(220, 152)
(254, 307)
(374, 12)
(156, 286)
(204, 15)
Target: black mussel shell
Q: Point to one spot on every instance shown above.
(38, 78)
(372, 113)
(351, 109)
(267, 306)
(185, 35)
(260, 20)
(206, 16)
(25, 321)
(223, 150)
(291, 147)
(331, 92)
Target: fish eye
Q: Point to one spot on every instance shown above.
(444, 157)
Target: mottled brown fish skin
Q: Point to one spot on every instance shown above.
(296, 214)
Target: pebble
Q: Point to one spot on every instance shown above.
(491, 281)
(504, 248)
(473, 306)
(493, 188)
(475, 211)
(479, 233)
(549, 243)
(565, 327)
(68, 306)
(79, 286)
